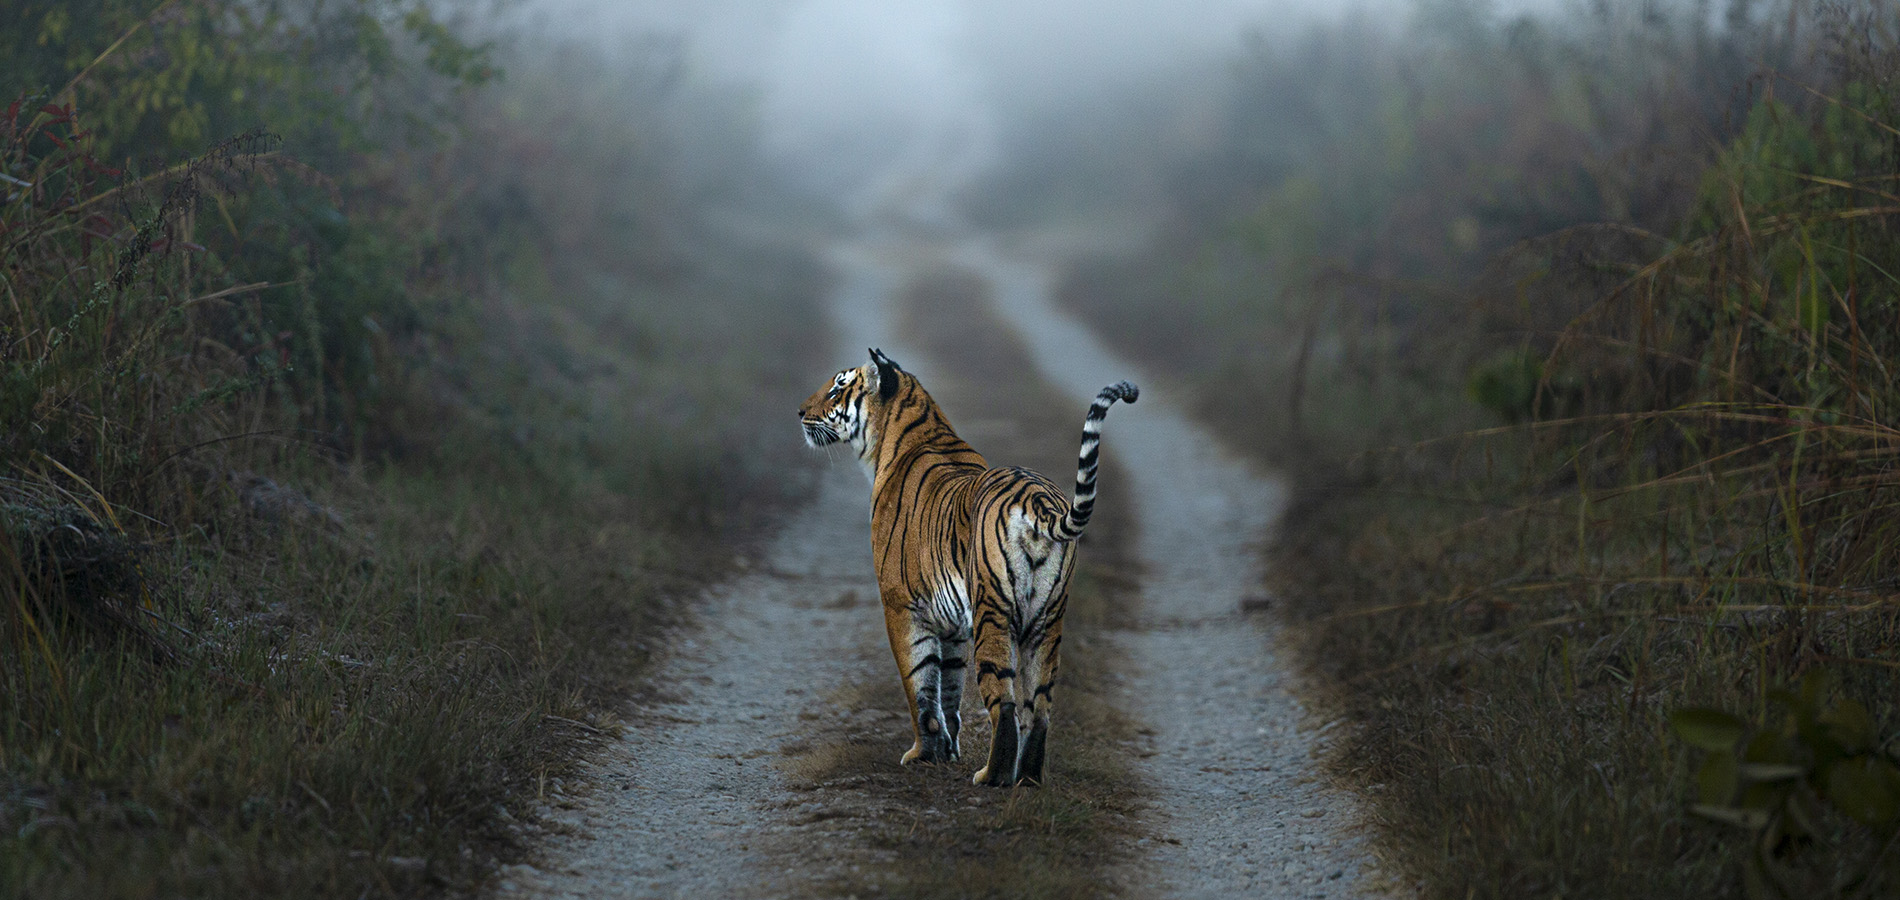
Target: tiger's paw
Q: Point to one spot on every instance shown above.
(1001, 768)
(982, 778)
(931, 748)
(1029, 764)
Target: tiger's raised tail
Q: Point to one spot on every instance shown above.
(1070, 527)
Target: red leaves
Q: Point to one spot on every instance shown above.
(73, 140)
(60, 126)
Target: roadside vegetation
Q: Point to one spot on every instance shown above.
(367, 393)
(1581, 338)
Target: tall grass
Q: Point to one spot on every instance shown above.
(340, 500)
(1587, 447)
(1701, 509)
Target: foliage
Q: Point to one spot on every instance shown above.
(1588, 366)
(276, 278)
(1779, 784)
(338, 501)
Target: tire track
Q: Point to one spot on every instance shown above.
(691, 801)
(1241, 808)
(925, 831)
(762, 760)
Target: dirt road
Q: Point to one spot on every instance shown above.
(1238, 807)
(763, 761)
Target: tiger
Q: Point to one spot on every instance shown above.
(965, 553)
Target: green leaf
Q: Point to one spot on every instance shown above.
(1767, 747)
(1709, 729)
(1770, 771)
(1862, 788)
(1717, 779)
(1750, 819)
(1849, 723)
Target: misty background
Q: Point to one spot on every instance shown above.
(849, 93)
(1573, 322)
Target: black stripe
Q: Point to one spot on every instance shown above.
(909, 427)
(930, 660)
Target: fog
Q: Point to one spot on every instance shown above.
(851, 95)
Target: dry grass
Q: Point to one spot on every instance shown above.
(364, 708)
(1685, 498)
(335, 629)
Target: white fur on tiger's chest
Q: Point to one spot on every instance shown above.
(865, 446)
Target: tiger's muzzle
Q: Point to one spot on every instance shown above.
(818, 434)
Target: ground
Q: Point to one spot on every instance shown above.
(761, 757)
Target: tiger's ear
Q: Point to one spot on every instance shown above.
(886, 374)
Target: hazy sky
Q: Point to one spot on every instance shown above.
(826, 64)
(923, 79)
(1026, 37)
(827, 57)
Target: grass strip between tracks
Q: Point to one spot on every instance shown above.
(932, 833)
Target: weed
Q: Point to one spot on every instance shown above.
(319, 532)
(1693, 505)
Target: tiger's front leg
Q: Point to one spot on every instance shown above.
(955, 652)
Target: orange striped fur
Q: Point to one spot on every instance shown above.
(973, 562)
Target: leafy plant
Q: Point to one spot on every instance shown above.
(1820, 752)
(1664, 255)
(298, 437)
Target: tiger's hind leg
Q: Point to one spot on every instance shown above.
(996, 682)
(1039, 677)
(918, 652)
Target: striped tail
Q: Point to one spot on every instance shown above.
(1070, 527)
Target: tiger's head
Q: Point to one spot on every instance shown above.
(841, 411)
